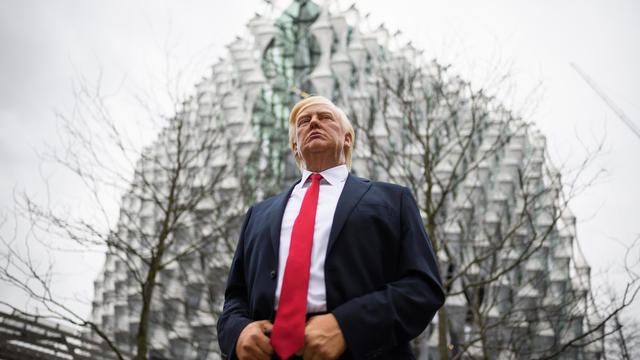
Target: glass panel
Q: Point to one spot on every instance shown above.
(287, 62)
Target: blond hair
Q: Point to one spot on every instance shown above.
(339, 113)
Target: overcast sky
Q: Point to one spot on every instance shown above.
(45, 45)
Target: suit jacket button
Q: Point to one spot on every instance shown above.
(272, 275)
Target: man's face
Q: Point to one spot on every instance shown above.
(319, 132)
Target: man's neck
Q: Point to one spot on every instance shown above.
(320, 164)
(318, 169)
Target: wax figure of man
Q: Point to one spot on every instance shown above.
(335, 267)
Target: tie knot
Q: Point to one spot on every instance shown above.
(315, 178)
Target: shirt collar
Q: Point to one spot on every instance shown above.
(333, 175)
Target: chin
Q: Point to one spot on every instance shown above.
(316, 145)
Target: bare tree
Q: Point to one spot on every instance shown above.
(624, 327)
(495, 209)
(625, 342)
(168, 250)
(494, 206)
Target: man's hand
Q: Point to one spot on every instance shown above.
(253, 343)
(323, 338)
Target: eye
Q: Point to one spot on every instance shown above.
(304, 120)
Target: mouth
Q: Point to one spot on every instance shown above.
(314, 134)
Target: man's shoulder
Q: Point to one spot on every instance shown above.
(381, 185)
(382, 193)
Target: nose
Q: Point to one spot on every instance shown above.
(315, 120)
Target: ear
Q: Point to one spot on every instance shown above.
(294, 147)
(348, 141)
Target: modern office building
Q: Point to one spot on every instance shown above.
(493, 206)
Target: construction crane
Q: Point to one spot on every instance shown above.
(607, 100)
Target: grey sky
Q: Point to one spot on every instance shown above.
(44, 45)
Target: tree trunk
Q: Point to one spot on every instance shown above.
(143, 326)
(443, 347)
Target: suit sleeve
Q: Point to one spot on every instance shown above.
(379, 321)
(235, 313)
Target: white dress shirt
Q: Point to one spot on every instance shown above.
(331, 187)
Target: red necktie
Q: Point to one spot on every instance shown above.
(287, 335)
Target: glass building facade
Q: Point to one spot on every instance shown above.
(518, 286)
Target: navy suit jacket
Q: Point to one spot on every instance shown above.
(381, 277)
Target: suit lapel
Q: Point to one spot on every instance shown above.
(354, 189)
(277, 213)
